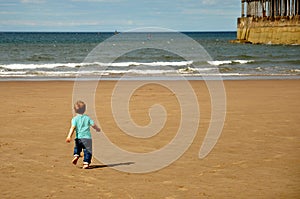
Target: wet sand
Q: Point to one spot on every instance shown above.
(256, 156)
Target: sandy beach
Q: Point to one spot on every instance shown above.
(257, 155)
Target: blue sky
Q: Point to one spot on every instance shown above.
(121, 15)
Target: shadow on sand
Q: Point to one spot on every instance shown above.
(97, 166)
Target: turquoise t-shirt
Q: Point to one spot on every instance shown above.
(82, 124)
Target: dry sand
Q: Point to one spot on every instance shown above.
(257, 155)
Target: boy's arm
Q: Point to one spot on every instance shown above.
(72, 129)
(96, 128)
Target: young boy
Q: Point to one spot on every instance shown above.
(81, 124)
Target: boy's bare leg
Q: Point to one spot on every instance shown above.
(75, 159)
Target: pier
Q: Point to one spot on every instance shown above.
(269, 22)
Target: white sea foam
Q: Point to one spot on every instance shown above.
(151, 72)
(39, 66)
(227, 62)
(73, 65)
(181, 63)
(126, 64)
(12, 73)
(295, 70)
(99, 73)
(187, 70)
(138, 69)
(218, 63)
(118, 73)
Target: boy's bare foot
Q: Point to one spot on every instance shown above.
(75, 159)
(85, 166)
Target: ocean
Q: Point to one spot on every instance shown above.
(67, 55)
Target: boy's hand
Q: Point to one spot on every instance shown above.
(72, 129)
(98, 129)
(68, 140)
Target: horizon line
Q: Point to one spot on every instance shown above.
(41, 31)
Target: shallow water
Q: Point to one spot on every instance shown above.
(67, 55)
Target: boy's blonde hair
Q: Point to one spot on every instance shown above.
(79, 107)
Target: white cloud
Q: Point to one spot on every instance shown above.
(74, 23)
(97, 1)
(114, 14)
(129, 22)
(6, 4)
(197, 11)
(32, 1)
(18, 23)
(209, 2)
(9, 13)
(208, 12)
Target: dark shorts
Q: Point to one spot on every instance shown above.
(85, 145)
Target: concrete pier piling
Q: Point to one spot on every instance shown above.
(269, 22)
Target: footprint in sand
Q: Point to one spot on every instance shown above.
(167, 182)
(182, 188)
(239, 162)
(278, 156)
(108, 194)
(242, 164)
